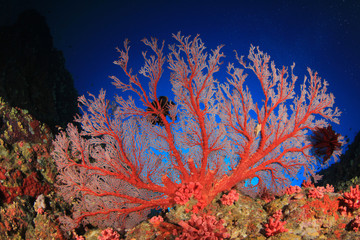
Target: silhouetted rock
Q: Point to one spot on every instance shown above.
(32, 71)
(346, 172)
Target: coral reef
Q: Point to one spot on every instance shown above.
(25, 145)
(290, 216)
(30, 207)
(307, 212)
(27, 176)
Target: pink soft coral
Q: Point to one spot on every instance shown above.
(230, 198)
(186, 191)
(275, 225)
(156, 220)
(352, 198)
(293, 189)
(316, 193)
(109, 234)
(307, 184)
(203, 227)
(329, 188)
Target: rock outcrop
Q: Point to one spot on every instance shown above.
(32, 71)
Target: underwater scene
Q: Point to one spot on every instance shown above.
(179, 120)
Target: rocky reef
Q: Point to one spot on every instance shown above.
(32, 71)
(346, 172)
(27, 175)
(308, 212)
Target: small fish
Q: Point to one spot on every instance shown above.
(257, 129)
(59, 128)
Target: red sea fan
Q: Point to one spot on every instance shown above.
(325, 142)
(121, 165)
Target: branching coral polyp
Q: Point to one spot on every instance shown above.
(121, 165)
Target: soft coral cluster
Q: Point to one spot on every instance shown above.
(350, 201)
(109, 234)
(293, 189)
(352, 198)
(230, 198)
(203, 227)
(315, 193)
(275, 225)
(188, 191)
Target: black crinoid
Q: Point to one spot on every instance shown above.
(325, 142)
(165, 105)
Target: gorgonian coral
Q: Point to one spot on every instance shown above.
(217, 137)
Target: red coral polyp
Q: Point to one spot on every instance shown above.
(275, 225)
(156, 220)
(188, 190)
(352, 199)
(203, 227)
(109, 234)
(315, 193)
(292, 190)
(230, 198)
